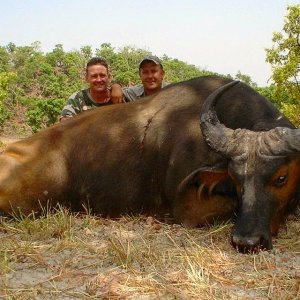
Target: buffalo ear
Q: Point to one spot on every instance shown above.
(204, 195)
(205, 176)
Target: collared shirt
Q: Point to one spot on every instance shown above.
(80, 102)
(135, 92)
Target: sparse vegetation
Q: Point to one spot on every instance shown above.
(66, 256)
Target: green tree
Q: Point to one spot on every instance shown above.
(123, 63)
(62, 72)
(284, 57)
(177, 70)
(86, 52)
(43, 81)
(245, 78)
(6, 80)
(4, 59)
(26, 63)
(43, 112)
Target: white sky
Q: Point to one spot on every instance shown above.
(223, 36)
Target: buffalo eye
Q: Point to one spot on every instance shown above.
(280, 181)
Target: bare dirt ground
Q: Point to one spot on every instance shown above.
(62, 256)
(66, 256)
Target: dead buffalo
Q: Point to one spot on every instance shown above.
(150, 157)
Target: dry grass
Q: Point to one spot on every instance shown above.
(64, 256)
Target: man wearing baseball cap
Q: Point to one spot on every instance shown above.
(151, 73)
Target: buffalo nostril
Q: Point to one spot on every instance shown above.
(251, 244)
(253, 241)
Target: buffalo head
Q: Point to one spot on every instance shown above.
(264, 165)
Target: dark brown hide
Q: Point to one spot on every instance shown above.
(148, 156)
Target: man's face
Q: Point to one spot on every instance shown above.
(151, 76)
(97, 77)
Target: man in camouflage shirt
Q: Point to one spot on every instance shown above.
(98, 93)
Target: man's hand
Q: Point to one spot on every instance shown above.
(116, 94)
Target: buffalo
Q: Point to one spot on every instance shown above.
(150, 156)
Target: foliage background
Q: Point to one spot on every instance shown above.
(38, 83)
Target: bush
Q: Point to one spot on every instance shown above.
(7, 79)
(43, 112)
(292, 111)
(4, 113)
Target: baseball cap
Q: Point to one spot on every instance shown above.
(152, 58)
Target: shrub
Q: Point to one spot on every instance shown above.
(292, 111)
(7, 79)
(43, 112)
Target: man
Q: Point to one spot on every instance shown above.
(98, 94)
(151, 74)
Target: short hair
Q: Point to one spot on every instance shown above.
(97, 61)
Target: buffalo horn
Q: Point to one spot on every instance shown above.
(281, 141)
(216, 134)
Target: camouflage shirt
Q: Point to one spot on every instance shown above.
(80, 102)
(135, 92)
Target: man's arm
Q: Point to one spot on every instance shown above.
(116, 93)
(128, 94)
